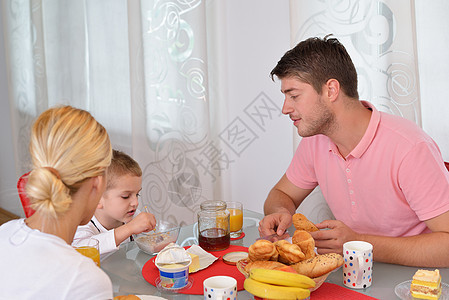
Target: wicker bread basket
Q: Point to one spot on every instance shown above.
(241, 264)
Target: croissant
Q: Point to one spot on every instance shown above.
(306, 242)
(262, 250)
(302, 223)
(288, 253)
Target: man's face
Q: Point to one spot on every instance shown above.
(307, 109)
(120, 201)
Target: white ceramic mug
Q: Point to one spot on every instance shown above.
(358, 264)
(220, 288)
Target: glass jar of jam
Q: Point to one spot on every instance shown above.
(213, 226)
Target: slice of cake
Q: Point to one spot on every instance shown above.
(426, 284)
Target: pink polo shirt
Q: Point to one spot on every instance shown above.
(391, 182)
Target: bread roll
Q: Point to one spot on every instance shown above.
(263, 264)
(306, 242)
(288, 253)
(318, 265)
(302, 223)
(262, 250)
(126, 297)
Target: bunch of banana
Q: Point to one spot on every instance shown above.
(275, 284)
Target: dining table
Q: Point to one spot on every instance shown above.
(124, 267)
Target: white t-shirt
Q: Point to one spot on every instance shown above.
(105, 237)
(37, 265)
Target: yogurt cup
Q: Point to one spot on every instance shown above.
(174, 276)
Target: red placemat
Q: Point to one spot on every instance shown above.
(150, 272)
(328, 291)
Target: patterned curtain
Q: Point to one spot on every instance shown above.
(170, 102)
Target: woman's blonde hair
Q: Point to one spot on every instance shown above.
(67, 146)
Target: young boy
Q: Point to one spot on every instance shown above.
(116, 217)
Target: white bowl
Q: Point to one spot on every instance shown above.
(154, 241)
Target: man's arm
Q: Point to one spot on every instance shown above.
(281, 203)
(424, 250)
(284, 197)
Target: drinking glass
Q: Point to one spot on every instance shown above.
(236, 218)
(90, 248)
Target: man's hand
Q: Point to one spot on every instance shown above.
(332, 239)
(143, 222)
(275, 223)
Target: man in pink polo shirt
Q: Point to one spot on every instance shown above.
(383, 178)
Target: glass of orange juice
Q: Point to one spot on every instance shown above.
(236, 218)
(90, 248)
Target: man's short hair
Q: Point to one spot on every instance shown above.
(315, 61)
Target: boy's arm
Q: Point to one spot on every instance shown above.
(143, 222)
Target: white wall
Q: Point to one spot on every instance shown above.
(256, 41)
(433, 62)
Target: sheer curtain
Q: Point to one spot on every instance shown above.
(170, 99)
(139, 67)
(147, 71)
(183, 86)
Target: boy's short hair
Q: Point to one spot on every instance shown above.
(121, 164)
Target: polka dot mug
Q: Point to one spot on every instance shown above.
(358, 264)
(220, 288)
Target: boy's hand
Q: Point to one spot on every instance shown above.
(143, 222)
(140, 223)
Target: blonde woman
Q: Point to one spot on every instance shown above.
(70, 152)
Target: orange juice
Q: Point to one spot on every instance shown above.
(236, 219)
(90, 252)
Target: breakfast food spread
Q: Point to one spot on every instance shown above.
(298, 255)
(426, 284)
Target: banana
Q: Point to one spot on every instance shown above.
(270, 291)
(282, 278)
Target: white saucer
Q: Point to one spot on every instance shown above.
(402, 290)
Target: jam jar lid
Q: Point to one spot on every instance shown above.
(213, 205)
